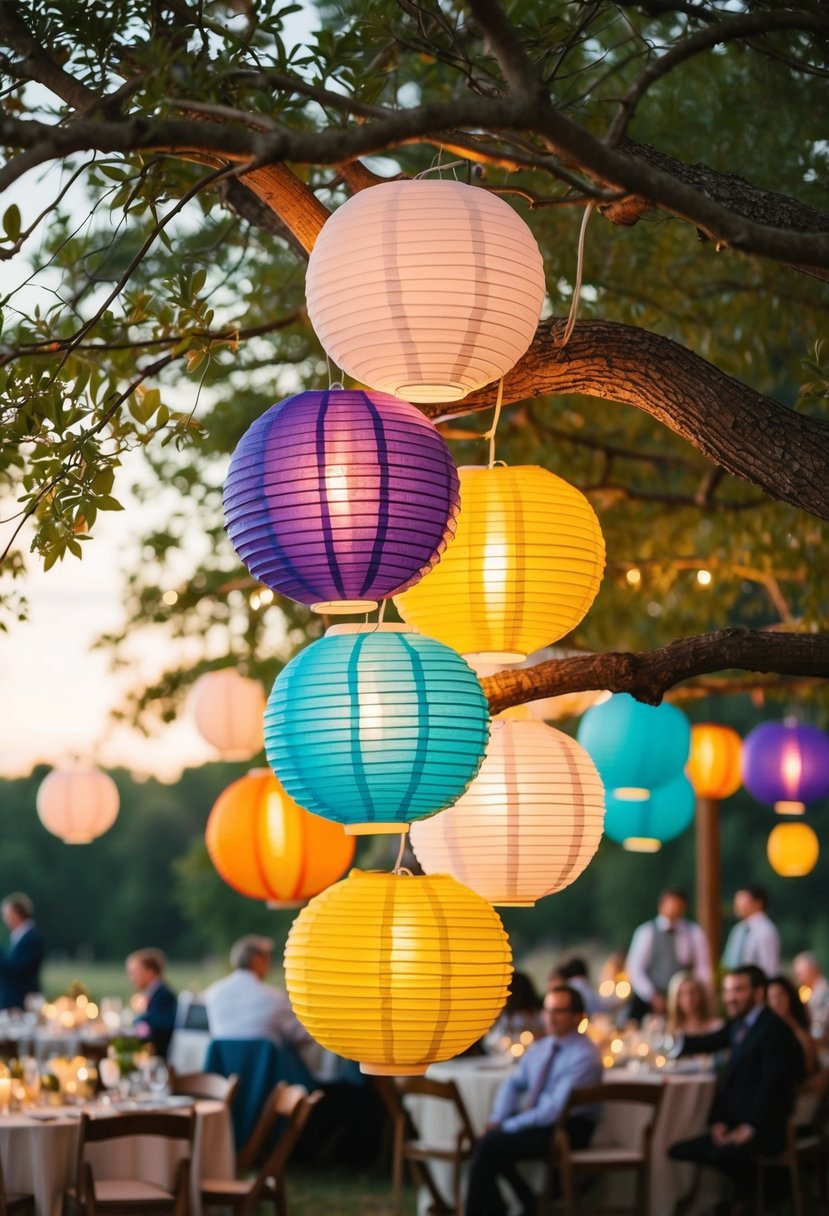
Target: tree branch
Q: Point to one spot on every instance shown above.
(647, 677)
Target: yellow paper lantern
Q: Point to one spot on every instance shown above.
(714, 764)
(522, 571)
(266, 846)
(78, 804)
(397, 971)
(228, 708)
(793, 849)
(528, 824)
(425, 289)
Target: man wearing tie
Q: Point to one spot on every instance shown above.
(754, 939)
(530, 1101)
(755, 1093)
(662, 947)
(20, 966)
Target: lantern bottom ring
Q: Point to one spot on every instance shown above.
(285, 905)
(513, 903)
(77, 839)
(642, 844)
(790, 808)
(393, 1070)
(497, 657)
(343, 607)
(375, 829)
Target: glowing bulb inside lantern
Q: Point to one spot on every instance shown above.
(337, 489)
(495, 568)
(792, 766)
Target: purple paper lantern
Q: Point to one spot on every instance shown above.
(338, 499)
(786, 764)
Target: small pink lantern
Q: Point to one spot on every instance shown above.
(228, 708)
(77, 804)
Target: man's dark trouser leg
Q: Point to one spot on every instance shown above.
(497, 1155)
(731, 1159)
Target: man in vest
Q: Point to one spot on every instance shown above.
(662, 947)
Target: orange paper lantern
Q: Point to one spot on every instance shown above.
(714, 763)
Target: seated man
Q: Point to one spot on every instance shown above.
(530, 1101)
(755, 1093)
(243, 1006)
(146, 971)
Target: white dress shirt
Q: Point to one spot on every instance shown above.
(241, 1006)
(754, 940)
(21, 931)
(690, 945)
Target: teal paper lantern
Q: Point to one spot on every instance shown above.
(643, 825)
(635, 747)
(376, 726)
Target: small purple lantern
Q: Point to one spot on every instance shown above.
(786, 764)
(338, 499)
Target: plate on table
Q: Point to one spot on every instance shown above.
(174, 1101)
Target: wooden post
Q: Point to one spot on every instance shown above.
(708, 873)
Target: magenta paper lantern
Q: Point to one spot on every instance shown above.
(786, 764)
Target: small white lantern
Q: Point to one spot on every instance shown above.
(425, 289)
(528, 824)
(78, 804)
(228, 709)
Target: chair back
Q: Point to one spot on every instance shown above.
(442, 1091)
(168, 1126)
(293, 1105)
(205, 1085)
(259, 1064)
(635, 1093)
(812, 1101)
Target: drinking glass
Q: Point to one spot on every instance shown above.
(157, 1076)
(109, 1072)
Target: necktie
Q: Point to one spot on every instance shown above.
(740, 1032)
(541, 1080)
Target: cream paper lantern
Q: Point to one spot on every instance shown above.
(528, 824)
(228, 709)
(77, 804)
(425, 289)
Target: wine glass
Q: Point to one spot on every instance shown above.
(157, 1076)
(109, 1072)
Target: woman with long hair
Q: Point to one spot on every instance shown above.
(783, 999)
(689, 1006)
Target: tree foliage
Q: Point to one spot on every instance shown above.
(171, 162)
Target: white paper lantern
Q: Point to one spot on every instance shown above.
(228, 708)
(529, 823)
(425, 289)
(77, 804)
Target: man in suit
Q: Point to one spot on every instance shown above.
(755, 1093)
(20, 964)
(754, 938)
(530, 1101)
(146, 971)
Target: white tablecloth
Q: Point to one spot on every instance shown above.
(40, 1156)
(683, 1113)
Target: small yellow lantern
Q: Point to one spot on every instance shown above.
(793, 849)
(522, 571)
(397, 971)
(714, 763)
(228, 708)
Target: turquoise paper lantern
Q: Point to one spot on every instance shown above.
(644, 825)
(635, 747)
(376, 726)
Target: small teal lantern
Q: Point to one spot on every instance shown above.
(644, 825)
(376, 726)
(635, 747)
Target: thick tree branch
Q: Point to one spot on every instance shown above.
(647, 677)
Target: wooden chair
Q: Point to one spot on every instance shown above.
(243, 1196)
(806, 1143)
(205, 1085)
(409, 1147)
(11, 1205)
(132, 1194)
(603, 1158)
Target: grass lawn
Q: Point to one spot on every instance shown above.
(110, 979)
(341, 1193)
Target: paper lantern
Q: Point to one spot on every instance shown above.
(643, 826)
(522, 571)
(397, 972)
(374, 726)
(714, 764)
(77, 804)
(425, 289)
(227, 708)
(793, 849)
(635, 747)
(266, 847)
(338, 499)
(529, 823)
(786, 765)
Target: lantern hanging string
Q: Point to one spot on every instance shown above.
(490, 434)
(438, 168)
(398, 865)
(574, 303)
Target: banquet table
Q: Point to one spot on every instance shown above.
(39, 1151)
(683, 1113)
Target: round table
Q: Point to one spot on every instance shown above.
(39, 1152)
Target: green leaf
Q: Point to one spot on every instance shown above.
(11, 222)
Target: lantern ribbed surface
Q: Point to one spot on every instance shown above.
(397, 971)
(714, 764)
(266, 847)
(425, 289)
(337, 499)
(635, 747)
(643, 826)
(522, 571)
(786, 765)
(793, 849)
(227, 708)
(529, 823)
(374, 726)
(77, 804)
